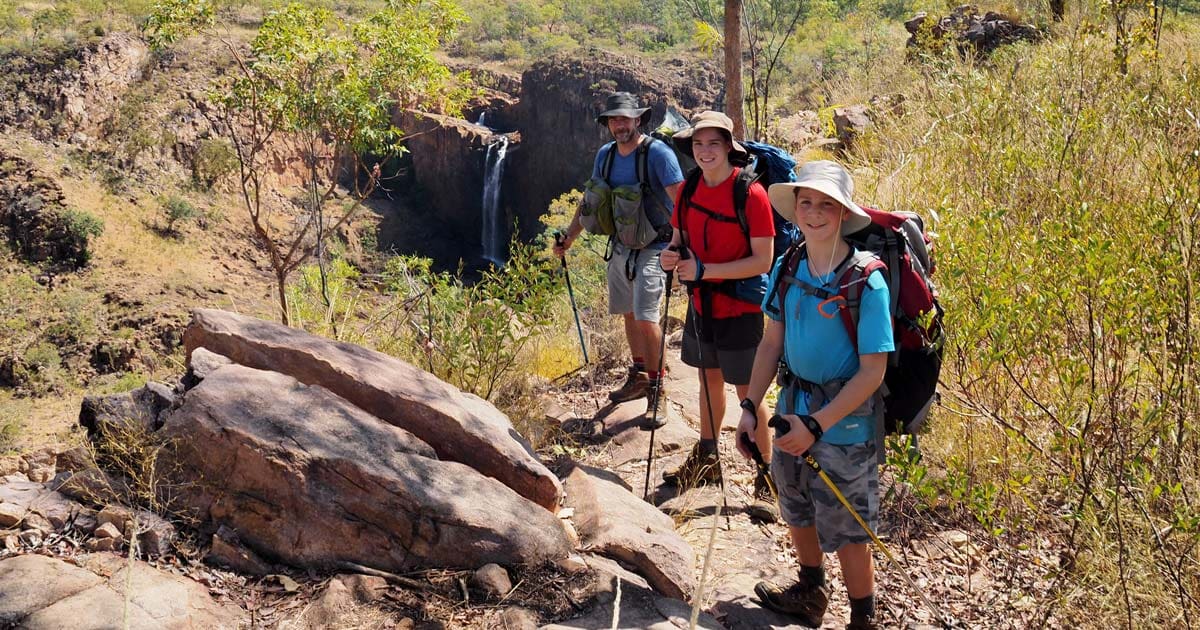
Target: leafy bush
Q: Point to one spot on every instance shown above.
(177, 210)
(215, 158)
(1068, 260)
(82, 227)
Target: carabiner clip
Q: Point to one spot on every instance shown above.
(838, 302)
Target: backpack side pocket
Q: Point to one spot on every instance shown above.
(596, 208)
(633, 227)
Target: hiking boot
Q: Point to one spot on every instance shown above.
(863, 622)
(698, 469)
(762, 502)
(801, 600)
(636, 386)
(656, 409)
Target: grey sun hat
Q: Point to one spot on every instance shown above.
(823, 176)
(625, 105)
(710, 120)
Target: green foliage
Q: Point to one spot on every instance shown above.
(1068, 258)
(52, 19)
(178, 210)
(215, 159)
(82, 227)
(307, 300)
(474, 335)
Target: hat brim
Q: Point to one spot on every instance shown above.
(683, 143)
(783, 199)
(640, 113)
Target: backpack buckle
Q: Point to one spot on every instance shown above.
(839, 303)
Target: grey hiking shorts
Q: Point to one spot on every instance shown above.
(805, 500)
(641, 295)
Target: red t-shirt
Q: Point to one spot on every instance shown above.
(720, 241)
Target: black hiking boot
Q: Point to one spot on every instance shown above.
(802, 600)
(637, 385)
(697, 470)
(862, 622)
(762, 503)
(656, 409)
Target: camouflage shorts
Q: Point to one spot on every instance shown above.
(805, 500)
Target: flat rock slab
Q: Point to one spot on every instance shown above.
(24, 497)
(460, 427)
(614, 522)
(745, 613)
(640, 608)
(43, 592)
(306, 478)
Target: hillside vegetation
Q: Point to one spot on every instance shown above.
(1062, 180)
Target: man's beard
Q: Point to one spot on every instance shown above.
(623, 136)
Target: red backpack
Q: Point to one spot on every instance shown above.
(894, 243)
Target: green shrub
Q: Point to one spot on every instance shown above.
(177, 210)
(215, 158)
(82, 228)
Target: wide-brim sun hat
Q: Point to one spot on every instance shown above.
(710, 120)
(825, 176)
(625, 105)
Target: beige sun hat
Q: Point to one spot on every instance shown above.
(824, 176)
(710, 120)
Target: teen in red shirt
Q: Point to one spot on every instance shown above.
(721, 332)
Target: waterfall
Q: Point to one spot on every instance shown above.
(493, 241)
(482, 116)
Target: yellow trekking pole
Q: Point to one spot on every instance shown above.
(782, 426)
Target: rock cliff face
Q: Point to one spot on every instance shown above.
(552, 131)
(448, 162)
(560, 98)
(75, 92)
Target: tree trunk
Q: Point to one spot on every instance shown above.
(733, 67)
(1058, 9)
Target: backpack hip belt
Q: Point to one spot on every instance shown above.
(819, 394)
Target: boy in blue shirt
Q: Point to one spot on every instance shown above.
(828, 399)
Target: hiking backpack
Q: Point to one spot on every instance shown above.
(895, 243)
(767, 165)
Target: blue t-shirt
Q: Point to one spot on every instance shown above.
(818, 349)
(661, 164)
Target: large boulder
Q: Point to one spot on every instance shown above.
(35, 215)
(613, 522)
(304, 477)
(460, 427)
(43, 592)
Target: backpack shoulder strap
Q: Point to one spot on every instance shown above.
(851, 280)
(607, 164)
(741, 192)
(690, 183)
(642, 161)
(787, 269)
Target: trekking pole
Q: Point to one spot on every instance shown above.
(778, 423)
(662, 350)
(558, 240)
(696, 330)
(764, 468)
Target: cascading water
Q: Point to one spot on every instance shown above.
(482, 122)
(493, 240)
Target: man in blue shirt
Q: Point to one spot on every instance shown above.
(635, 279)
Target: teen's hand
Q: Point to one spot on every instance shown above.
(668, 259)
(689, 270)
(746, 425)
(797, 440)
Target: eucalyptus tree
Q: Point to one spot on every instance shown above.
(327, 83)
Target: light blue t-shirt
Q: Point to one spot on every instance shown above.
(818, 349)
(660, 163)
